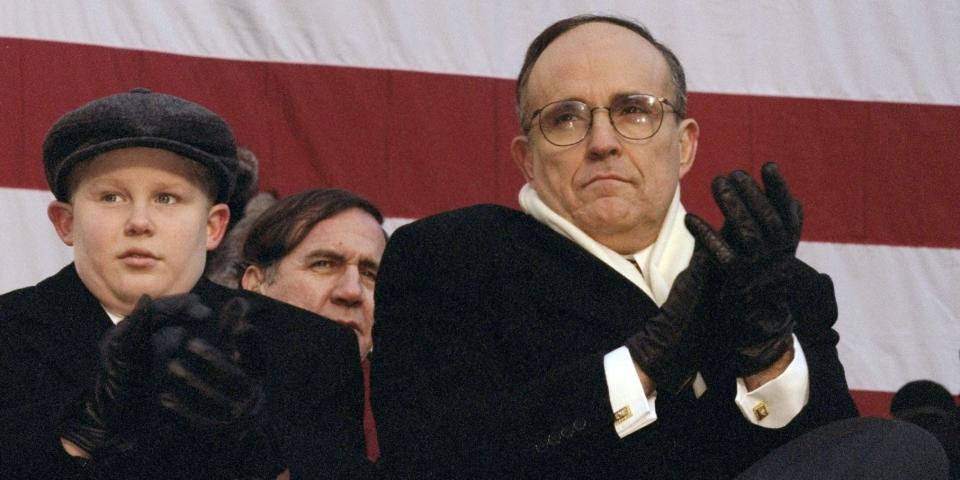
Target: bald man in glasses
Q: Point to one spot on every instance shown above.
(602, 332)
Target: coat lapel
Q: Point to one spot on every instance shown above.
(65, 322)
(579, 283)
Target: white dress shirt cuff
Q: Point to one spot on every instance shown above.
(777, 402)
(632, 409)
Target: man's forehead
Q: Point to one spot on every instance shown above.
(350, 232)
(341, 252)
(598, 59)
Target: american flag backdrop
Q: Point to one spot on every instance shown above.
(410, 103)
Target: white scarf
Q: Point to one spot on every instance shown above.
(660, 262)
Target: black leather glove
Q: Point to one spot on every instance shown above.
(108, 419)
(214, 424)
(755, 250)
(667, 347)
(200, 383)
(168, 403)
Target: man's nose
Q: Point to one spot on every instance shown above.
(602, 139)
(139, 220)
(348, 291)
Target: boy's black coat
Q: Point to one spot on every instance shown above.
(49, 336)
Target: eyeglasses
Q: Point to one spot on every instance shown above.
(636, 117)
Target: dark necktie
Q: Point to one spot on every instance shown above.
(369, 424)
(633, 262)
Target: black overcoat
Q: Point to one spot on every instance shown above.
(49, 336)
(491, 331)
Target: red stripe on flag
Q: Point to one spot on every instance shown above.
(875, 173)
(877, 404)
(418, 143)
(872, 403)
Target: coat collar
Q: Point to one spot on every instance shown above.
(65, 322)
(569, 278)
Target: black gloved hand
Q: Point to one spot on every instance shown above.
(214, 408)
(755, 251)
(667, 347)
(200, 383)
(108, 418)
(168, 403)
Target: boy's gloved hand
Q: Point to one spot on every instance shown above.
(210, 403)
(123, 393)
(202, 384)
(171, 396)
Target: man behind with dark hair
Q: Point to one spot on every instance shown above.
(320, 250)
(603, 332)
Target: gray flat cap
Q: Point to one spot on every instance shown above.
(140, 118)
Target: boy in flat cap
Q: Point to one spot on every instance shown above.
(111, 369)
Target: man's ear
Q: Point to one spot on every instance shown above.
(520, 151)
(689, 133)
(252, 278)
(217, 219)
(61, 215)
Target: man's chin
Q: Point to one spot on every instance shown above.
(607, 215)
(352, 324)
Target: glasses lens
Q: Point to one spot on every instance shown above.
(565, 122)
(637, 116)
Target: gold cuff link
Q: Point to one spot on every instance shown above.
(760, 411)
(622, 414)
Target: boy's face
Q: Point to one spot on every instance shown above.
(140, 223)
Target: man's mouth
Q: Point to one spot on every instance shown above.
(605, 178)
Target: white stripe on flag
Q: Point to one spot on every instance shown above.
(855, 50)
(31, 249)
(899, 312)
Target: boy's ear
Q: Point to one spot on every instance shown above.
(217, 219)
(252, 278)
(61, 215)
